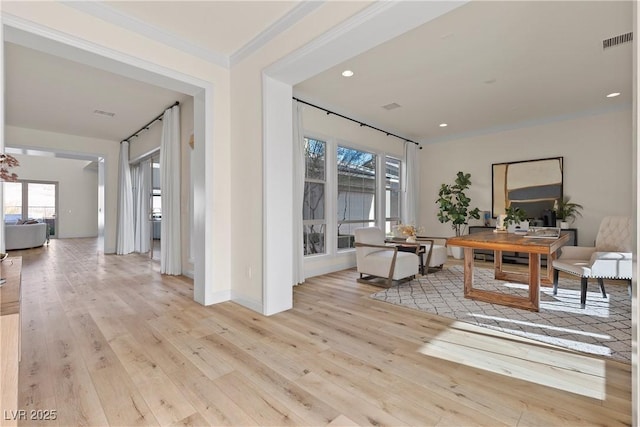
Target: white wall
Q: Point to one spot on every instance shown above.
(77, 191)
(331, 127)
(58, 142)
(186, 132)
(597, 166)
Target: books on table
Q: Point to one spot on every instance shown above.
(543, 233)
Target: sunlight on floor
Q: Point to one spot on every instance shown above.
(528, 362)
(562, 302)
(537, 325)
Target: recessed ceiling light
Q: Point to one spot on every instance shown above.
(347, 73)
(613, 94)
(443, 125)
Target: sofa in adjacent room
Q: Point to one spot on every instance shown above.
(25, 236)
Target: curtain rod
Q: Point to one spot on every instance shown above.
(356, 121)
(146, 127)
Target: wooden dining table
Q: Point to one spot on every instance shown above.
(499, 242)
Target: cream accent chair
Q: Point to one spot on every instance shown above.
(610, 258)
(436, 250)
(376, 260)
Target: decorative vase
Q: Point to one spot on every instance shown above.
(411, 239)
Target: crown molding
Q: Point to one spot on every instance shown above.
(115, 17)
(48, 40)
(375, 24)
(282, 24)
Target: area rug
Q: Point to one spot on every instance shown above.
(602, 328)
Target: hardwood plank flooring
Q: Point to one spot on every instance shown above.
(107, 340)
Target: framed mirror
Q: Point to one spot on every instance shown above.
(532, 185)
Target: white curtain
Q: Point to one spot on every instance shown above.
(170, 242)
(141, 175)
(125, 228)
(411, 181)
(298, 193)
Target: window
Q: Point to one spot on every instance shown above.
(313, 210)
(31, 200)
(392, 193)
(356, 205)
(342, 192)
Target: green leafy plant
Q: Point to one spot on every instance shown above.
(454, 204)
(567, 210)
(515, 215)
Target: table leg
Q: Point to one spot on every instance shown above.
(497, 263)
(548, 278)
(534, 281)
(468, 271)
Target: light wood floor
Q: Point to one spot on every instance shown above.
(108, 341)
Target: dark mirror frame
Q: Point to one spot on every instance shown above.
(545, 185)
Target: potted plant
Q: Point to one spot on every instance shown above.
(514, 215)
(454, 205)
(567, 211)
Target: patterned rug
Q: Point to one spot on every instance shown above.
(602, 328)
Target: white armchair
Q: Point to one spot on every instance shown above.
(610, 258)
(375, 259)
(436, 249)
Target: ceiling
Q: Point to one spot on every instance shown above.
(484, 66)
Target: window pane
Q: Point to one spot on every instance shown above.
(315, 163)
(12, 202)
(356, 185)
(346, 233)
(314, 239)
(313, 207)
(392, 184)
(356, 193)
(42, 201)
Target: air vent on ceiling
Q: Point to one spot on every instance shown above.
(391, 106)
(615, 41)
(104, 113)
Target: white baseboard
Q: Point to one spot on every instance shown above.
(320, 269)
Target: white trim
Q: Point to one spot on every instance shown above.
(35, 36)
(116, 17)
(317, 269)
(275, 29)
(123, 20)
(277, 200)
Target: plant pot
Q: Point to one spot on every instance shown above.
(411, 239)
(457, 252)
(523, 225)
(564, 224)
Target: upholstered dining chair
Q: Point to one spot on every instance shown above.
(610, 258)
(375, 259)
